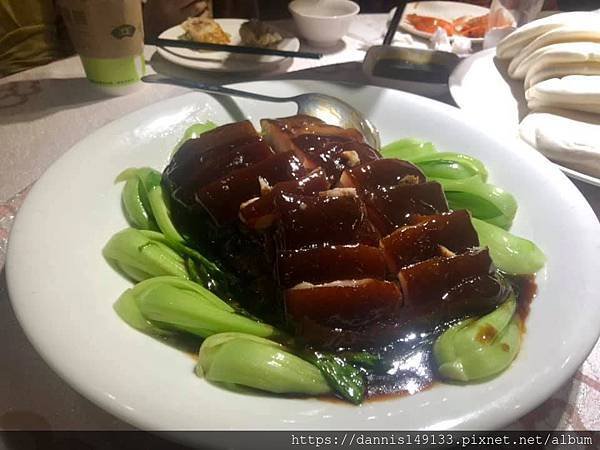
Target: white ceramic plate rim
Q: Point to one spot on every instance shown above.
(214, 61)
(144, 392)
(463, 100)
(450, 12)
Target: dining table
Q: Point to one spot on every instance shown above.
(46, 110)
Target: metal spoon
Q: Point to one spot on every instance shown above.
(325, 107)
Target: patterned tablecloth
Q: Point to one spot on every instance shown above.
(43, 112)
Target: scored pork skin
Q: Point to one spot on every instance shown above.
(432, 236)
(306, 221)
(329, 263)
(472, 297)
(348, 303)
(391, 207)
(260, 213)
(333, 155)
(212, 155)
(308, 137)
(222, 198)
(381, 173)
(431, 280)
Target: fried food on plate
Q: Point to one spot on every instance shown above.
(201, 29)
(255, 33)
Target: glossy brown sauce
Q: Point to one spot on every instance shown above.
(413, 367)
(527, 288)
(486, 333)
(409, 372)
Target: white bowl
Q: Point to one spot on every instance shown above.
(323, 22)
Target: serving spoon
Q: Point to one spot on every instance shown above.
(330, 109)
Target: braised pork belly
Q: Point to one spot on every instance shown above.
(329, 263)
(212, 156)
(308, 221)
(434, 235)
(222, 198)
(344, 304)
(381, 173)
(260, 213)
(351, 249)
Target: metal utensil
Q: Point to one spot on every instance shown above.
(325, 107)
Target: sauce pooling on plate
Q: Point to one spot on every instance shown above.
(412, 367)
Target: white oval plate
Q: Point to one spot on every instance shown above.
(442, 10)
(483, 90)
(62, 290)
(223, 61)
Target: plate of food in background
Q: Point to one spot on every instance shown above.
(542, 84)
(251, 33)
(457, 19)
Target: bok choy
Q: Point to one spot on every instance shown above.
(248, 360)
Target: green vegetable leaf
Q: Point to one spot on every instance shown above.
(343, 377)
(143, 254)
(136, 204)
(127, 309)
(193, 132)
(162, 215)
(206, 272)
(135, 209)
(197, 273)
(147, 208)
(407, 149)
(247, 360)
(475, 349)
(363, 359)
(150, 201)
(453, 166)
(462, 177)
(179, 304)
(135, 198)
(484, 201)
(510, 253)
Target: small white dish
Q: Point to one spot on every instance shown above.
(323, 22)
(482, 88)
(62, 290)
(224, 61)
(448, 11)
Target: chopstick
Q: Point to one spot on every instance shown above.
(391, 31)
(231, 48)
